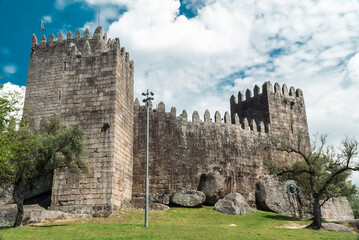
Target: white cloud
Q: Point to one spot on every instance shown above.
(186, 62)
(61, 4)
(191, 56)
(351, 74)
(47, 19)
(10, 68)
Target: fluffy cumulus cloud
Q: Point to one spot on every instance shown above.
(228, 45)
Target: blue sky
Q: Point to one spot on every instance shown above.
(194, 54)
(20, 19)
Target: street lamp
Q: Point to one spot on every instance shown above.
(149, 97)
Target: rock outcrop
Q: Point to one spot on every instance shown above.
(337, 209)
(335, 227)
(32, 214)
(8, 215)
(189, 198)
(285, 197)
(215, 185)
(234, 204)
(275, 196)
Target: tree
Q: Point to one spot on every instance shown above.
(8, 107)
(26, 155)
(323, 173)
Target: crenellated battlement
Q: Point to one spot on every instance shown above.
(267, 88)
(281, 110)
(85, 46)
(244, 124)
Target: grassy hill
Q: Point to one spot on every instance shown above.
(176, 223)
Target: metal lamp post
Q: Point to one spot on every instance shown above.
(149, 97)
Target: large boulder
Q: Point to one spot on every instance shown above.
(36, 195)
(284, 197)
(215, 184)
(32, 214)
(234, 204)
(335, 227)
(189, 198)
(337, 209)
(8, 215)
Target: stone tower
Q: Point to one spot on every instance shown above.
(87, 80)
(280, 109)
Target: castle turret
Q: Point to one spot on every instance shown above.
(87, 81)
(284, 110)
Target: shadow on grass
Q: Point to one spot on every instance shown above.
(283, 218)
(4, 228)
(48, 226)
(173, 205)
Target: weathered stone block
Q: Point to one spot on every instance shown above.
(234, 204)
(189, 198)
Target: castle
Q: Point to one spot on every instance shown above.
(89, 80)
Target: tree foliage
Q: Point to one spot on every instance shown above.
(26, 155)
(323, 173)
(7, 122)
(354, 203)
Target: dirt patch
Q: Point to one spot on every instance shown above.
(292, 225)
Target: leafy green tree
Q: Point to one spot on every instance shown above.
(39, 153)
(7, 108)
(26, 155)
(323, 173)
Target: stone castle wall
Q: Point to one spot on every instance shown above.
(181, 151)
(88, 81)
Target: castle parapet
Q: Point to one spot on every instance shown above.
(267, 88)
(276, 109)
(86, 46)
(250, 125)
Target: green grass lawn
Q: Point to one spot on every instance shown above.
(176, 223)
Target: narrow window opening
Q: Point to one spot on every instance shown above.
(59, 95)
(292, 105)
(65, 66)
(291, 127)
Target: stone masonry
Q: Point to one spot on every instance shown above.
(89, 80)
(181, 151)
